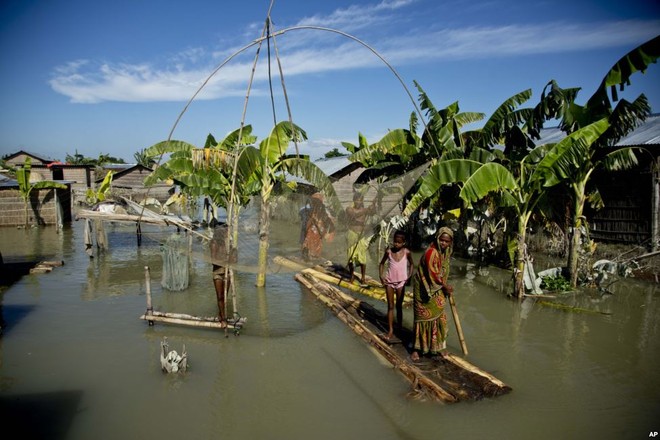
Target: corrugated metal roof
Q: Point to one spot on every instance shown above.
(332, 165)
(646, 134)
(7, 182)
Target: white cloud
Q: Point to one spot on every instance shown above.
(304, 52)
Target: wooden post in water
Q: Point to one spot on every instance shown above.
(150, 309)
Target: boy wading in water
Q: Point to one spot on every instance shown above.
(356, 216)
(399, 262)
(221, 257)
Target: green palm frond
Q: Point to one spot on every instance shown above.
(276, 144)
(488, 178)
(625, 117)
(554, 104)
(231, 142)
(622, 159)
(166, 147)
(438, 175)
(637, 60)
(314, 175)
(505, 117)
(571, 155)
(399, 142)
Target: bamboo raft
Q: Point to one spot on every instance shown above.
(448, 380)
(152, 316)
(336, 275)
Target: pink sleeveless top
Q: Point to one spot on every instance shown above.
(397, 271)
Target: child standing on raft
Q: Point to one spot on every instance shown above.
(399, 262)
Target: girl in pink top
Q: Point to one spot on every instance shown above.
(399, 270)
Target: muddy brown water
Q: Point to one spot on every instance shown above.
(75, 356)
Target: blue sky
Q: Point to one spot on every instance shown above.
(113, 77)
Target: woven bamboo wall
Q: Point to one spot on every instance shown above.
(626, 217)
(42, 209)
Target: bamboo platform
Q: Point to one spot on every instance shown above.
(448, 380)
(193, 321)
(152, 316)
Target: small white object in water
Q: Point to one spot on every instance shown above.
(171, 361)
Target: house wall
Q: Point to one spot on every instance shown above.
(131, 185)
(83, 177)
(627, 215)
(42, 210)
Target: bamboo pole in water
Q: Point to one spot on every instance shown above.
(459, 328)
(147, 277)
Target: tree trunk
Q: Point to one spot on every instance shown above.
(521, 251)
(264, 227)
(573, 247)
(519, 268)
(575, 238)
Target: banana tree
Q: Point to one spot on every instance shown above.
(518, 190)
(574, 160)
(94, 196)
(25, 187)
(249, 170)
(273, 166)
(626, 116)
(501, 128)
(403, 150)
(203, 171)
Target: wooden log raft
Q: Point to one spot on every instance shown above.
(412, 373)
(330, 275)
(451, 379)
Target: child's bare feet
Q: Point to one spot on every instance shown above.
(387, 337)
(414, 356)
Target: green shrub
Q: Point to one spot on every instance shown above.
(555, 284)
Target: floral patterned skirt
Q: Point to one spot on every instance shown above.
(430, 325)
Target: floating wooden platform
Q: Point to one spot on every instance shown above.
(449, 380)
(195, 321)
(234, 324)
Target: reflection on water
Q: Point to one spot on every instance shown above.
(296, 371)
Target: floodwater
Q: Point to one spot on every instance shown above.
(76, 355)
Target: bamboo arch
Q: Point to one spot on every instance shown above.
(267, 36)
